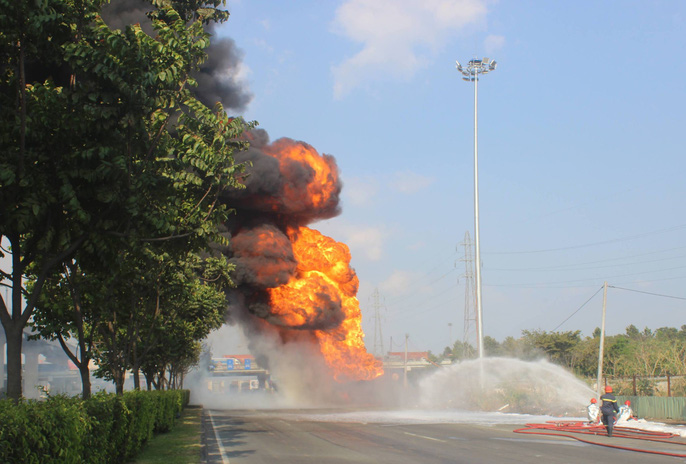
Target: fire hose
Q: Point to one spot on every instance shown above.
(570, 429)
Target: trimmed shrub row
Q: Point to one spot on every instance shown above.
(104, 429)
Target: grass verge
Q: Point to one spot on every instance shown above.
(182, 445)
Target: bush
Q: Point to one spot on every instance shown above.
(103, 429)
(50, 432)
(101, 444)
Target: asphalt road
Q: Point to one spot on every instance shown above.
(289, 437)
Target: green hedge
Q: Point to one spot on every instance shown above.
(104, 429)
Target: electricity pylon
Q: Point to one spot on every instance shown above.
(470, 319)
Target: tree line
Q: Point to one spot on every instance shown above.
(110, 176)
(640, 353)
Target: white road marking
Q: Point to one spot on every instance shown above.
(422, 436)
(222, 451)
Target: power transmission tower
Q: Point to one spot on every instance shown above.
(378, 336)
(470, 319)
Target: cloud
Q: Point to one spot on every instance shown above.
(397, 36)
(398, 282)
(366, 241)
(494, 43)
(409, 182)
(369, 240)
(359, 191)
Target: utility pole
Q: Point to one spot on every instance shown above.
(378, 336)
(470, 319)
(405, 363)
(602, 342)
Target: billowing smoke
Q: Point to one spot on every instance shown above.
(218, 77)
(288, 185)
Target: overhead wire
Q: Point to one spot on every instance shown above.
(586, 245)
(426, 275)
(648, 293)
(574, 267)
(579, 309)
(546, 284)
(418, 308)
(618, 288)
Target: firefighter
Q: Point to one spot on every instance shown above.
(593, 412)
(609, 409)
(625, 412)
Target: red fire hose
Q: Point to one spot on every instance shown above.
(571, 429)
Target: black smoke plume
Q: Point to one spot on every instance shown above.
(217, 77)
(277, 196)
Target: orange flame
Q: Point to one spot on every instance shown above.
(323, 294)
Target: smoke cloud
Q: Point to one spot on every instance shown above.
(282, 190)
(219, 77)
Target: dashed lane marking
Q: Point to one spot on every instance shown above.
(222, 451)
(423, 436)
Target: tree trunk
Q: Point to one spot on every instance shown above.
(148, 381)
(119, 378)
(85, 381)
(136, 379)
(161, 379)
(14, 336)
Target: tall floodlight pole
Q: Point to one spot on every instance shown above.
(471, 73)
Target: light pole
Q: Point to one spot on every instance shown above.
(471, 73)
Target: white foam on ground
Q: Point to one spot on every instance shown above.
(643, 424)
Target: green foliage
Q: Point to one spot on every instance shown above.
(104, 429)
(142, 422)
(106, 436)
(103, 144)
(642, 353)
(557, 345)
(50, 432)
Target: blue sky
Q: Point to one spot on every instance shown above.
(581, 159)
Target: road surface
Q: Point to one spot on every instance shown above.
(305, 436)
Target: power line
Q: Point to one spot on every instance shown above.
(631, 237)
(580, 307)
(648, 293)
(548, 284)
(644, 281)
(418, 310)
(576, 267)
(618, 288)
(420, 280)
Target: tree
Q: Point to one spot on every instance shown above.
(518, 348)
(67, 310)
(161, 307)
(102, 142)
(491, 346)
(42, 218)
(557, 345)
